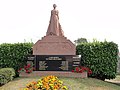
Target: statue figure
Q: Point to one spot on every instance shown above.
(54, 27)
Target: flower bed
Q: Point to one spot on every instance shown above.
(27, 69)
(46, 83)
(82, 69)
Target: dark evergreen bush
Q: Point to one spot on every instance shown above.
(100, 57)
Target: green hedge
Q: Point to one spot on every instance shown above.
(6, 75)
(100, 57)
(14, 55)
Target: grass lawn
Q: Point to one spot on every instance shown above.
(71, 83)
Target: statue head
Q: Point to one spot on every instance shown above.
(54, 6)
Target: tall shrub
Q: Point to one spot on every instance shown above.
(14, 55)
(100, 57)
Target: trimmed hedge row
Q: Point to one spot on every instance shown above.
(100, 57)
(14, 55)
(6, 75)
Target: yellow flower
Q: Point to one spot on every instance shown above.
(64, 88)
(26, 89)
(48, 83)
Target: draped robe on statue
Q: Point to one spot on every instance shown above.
(54, 27)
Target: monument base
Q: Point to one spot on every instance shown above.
(54, 62)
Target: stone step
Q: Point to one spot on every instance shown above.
(55, 73)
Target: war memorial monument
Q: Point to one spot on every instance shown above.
(54, 52)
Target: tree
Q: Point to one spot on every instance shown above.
(80, 40)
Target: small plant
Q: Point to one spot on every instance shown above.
(6, 75)
(28, 68)
(82, 69)
(46, 83)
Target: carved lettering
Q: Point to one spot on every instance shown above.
(53, 58)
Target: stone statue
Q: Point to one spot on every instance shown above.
(54, 43)
(54, 27)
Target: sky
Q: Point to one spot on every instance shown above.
(27, 20)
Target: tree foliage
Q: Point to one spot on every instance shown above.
(80, 40)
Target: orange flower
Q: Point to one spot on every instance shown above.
(47, 83)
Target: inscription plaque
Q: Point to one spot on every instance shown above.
(76, 62)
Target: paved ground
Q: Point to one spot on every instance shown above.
(114, 82)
